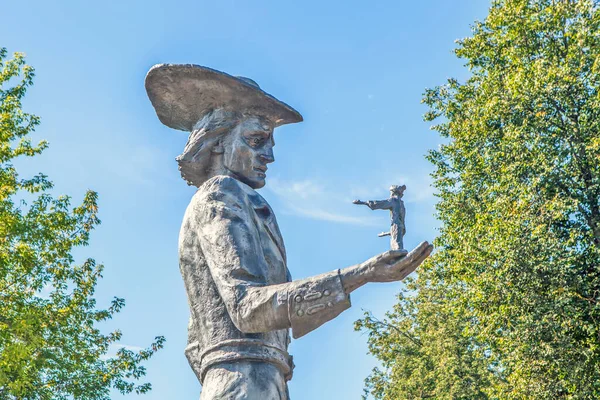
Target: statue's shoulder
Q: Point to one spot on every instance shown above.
(221, 188)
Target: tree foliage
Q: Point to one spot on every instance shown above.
(50, 346)
(509, 305)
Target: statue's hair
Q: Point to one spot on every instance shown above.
(195, 161)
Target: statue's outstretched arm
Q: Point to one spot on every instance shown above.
(232, 249)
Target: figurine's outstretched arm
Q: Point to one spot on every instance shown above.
(375, 204)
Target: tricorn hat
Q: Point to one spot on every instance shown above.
(182, 94)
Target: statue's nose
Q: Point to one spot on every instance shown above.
(267, 157)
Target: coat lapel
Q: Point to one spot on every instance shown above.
(267, 217)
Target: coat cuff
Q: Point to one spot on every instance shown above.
(316, 300)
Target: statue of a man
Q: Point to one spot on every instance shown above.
(242, 299)
(397, 215)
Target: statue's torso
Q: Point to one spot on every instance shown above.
(212, 336)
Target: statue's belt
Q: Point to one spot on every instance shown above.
(236, 350)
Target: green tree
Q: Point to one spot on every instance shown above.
(509, 305)
(50, 347)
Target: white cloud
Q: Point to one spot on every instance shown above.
(305, 189)
(310, 199)
(324, 215)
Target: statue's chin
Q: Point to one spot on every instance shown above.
(253, 183)
(257, 184)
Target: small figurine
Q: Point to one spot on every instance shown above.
(397, 214)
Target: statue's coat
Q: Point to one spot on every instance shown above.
(240, 293)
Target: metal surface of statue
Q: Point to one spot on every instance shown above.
(397, 215)
(242, 299)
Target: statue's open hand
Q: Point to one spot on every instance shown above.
(395, 265)
(358, 202)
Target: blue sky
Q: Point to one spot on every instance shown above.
(355, 70)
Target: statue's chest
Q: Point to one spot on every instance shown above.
(272, 246)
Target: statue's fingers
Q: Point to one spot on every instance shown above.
(414, 259)
(419, 253)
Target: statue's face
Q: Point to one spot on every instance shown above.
(248, 149)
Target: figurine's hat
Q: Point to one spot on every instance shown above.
(397, 188)
(184, 93)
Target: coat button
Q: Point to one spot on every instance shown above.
(300, 313)
(298, 299)
(326, 292)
